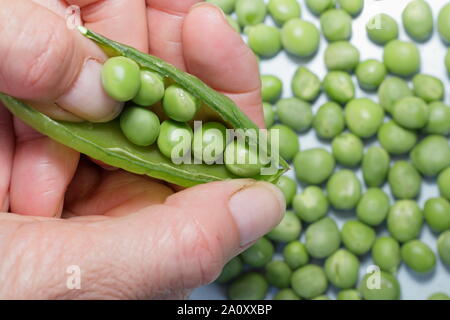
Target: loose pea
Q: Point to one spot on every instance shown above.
(305, 84)
(121, 78)
(341, 55)
(151, 89)
(179, 104)
(375, 166)
(288, 187)
(411, 113)
(310, 205)
(288, 230)
(395, 139)
(321, 297)
(250, 286)
(286, 294)
(418, 20)
(439, 119)
(443, 246)
(447, 61)
(404, 220)
(336, 25)
(349, 294)
(278, 274)
(439, 296)
(382, 28)
(373, 207)
(250, 12)
(389, 287)
(386, 254)
(140, 126)
(309, 281)
(234, 24)
(288, 141)
(295, 254)
(401, 58)
(269, 114)
(339, 87)
(322, 238)
(353, 7)
(319, 6)
(284, 10)
(444, 183)
(329, 120)
(342, 269)
(344, 190)
(242, 160)
(392, 90)
(231, 270)
(364, 117)
(295, 113)
(444, 23)
(370, 74)
(404, 180)
(431, 155)
(418, 256)
(428, 88)
(271, 88)
(259, 254)
(175, 139)
(264, 40)
(357, 237)
(348, 149)
(437, 214)
(313, 166)
(226, 5)
(300, 37)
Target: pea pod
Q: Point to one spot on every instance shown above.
(105, 141)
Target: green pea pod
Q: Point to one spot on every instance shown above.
(105, 141)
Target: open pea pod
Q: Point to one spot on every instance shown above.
(106, 142)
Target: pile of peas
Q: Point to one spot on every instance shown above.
(407, 128)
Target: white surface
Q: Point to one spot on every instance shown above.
(433, 51)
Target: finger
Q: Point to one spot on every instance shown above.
(56, 64)
(221, 59)
(6, 156)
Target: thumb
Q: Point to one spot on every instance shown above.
(44, 61)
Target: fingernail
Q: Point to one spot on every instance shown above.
(208, 5)
(87, 99)
(256, 209)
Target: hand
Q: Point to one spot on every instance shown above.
(131, 236)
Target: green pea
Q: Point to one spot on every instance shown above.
(401, 58)
(392, 90)
(286, 294)
(373, 207)
(411, 113)
(271, 88)
(447, 61)
(250, 12)
(439, 296)
(322, 238)
(404, 220)
(300, 38)
(209, 141)
(264, 40)
(321, 297)
(382, 28)
(250, 286)
(314, 166)
(179, 104)
(295, 254)
(241, 159)
(284, 10)
(278, 274)
(309, 281)
(140, 125)
(348, 149)
(444, 23)
(353, 7)
(428, 88)
(439, 119)
(431, 155)
(259, 254)
(311, 205)
(418, 20)
(404, 180)
(305, 84)
(234, 24)
(375, 166)
(344, 190)
(288, 141)
(370, 74)
(329, 120)
(443, 246)
(289, 188)
(437, 214)
(336, 25)
(121, 78)
(342, 269)
(364, 117)
(418, 256)
(175, 139)
(269, 114)
(341, 55)
(151, 90)
(226, 5)
(386, 254)
(319, 6)
(349, 294)
(395, 139)
(295, 113)
(389, 288)
(339, 87)
(288, 230)
(231, 270)
(357, 237)
(444, 183)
